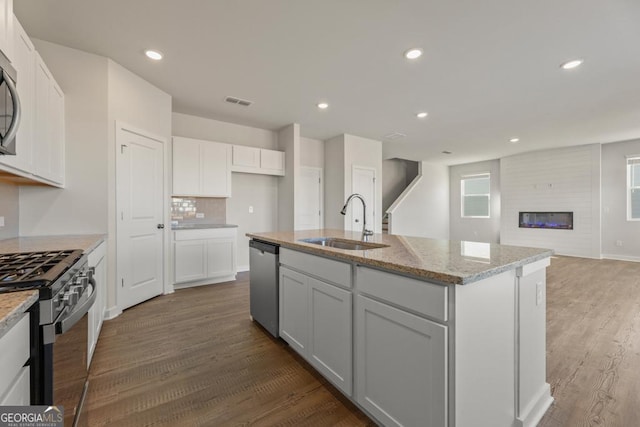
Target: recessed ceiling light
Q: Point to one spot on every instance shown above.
(323, 105)
(514, 140)
(153, 54)
(414, 53)
(422, 115)
(571, 64)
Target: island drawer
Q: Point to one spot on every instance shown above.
(323, 268)
(416, 295)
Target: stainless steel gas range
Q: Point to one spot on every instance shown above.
(59, 329)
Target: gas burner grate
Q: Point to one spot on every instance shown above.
(28, 270)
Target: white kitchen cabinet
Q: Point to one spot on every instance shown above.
(6, 28)
(330, 333)
(246, 157)
(204, 256)
(294, 315)
(190, 260)
(98, 260)
(48, 133)
(257, 160)
(40, 141)
(14, 378)
(315, 318)
(201, 168)
(272, 162)
(401, 372)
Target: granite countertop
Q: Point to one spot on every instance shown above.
(445, 261)
(198, 226)
(86, 242)
(13, 304)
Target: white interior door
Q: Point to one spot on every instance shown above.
(309, 209)
(364, 183)
(140, 178)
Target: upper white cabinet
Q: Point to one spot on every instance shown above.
(40, 142)
(48, 144)
(201, 168)
(6, 28)
(257, 160)
(245, 157)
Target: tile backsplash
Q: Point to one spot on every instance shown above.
(208, 210)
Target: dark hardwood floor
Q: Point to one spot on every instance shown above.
(194, 358)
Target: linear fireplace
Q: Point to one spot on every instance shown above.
(552, 220)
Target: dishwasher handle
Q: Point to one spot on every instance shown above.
(264, 246)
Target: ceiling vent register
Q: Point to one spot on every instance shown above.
(238, 101)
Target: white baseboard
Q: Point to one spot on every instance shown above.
(205, 282)
(536, 409)
(243, 268)
(621, 257)
(112, 313)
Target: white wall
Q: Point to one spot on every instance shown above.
(311, 152)
(334, 190)
(565, 179)
(215, 130)
(258, 191)
(81, 207)
(422, 210)
(139, 104)
(615, 226)
(9, 209)
(475, 229)
(368, 153)
(397, 174)
(289, 142)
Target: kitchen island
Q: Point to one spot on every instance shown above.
(420, 332)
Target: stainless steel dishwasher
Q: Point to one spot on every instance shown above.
(263, 288)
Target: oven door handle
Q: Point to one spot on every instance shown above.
(80, 310)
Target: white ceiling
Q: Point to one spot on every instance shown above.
(490, 69)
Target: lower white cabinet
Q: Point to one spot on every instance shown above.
(98, 260)
(315, 319)
(401, 372)
(330, 339)
(204, 256)
(14, 354)
(190, 260)
(294, 314)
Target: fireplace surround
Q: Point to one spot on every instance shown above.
(550, 220)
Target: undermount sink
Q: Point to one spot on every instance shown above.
(350, 245)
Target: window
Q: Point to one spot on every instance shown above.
(476, 195)
(633, 188)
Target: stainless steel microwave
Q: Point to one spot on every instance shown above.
(9, 107)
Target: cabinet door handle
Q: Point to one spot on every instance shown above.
(160, 226)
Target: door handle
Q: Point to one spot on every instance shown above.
(160, 226)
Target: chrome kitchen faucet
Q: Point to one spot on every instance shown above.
(365, 233)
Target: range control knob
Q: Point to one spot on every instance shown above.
(70, 298)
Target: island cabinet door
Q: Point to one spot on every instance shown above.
(293, 309)
(401, 370)
(330, 339)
